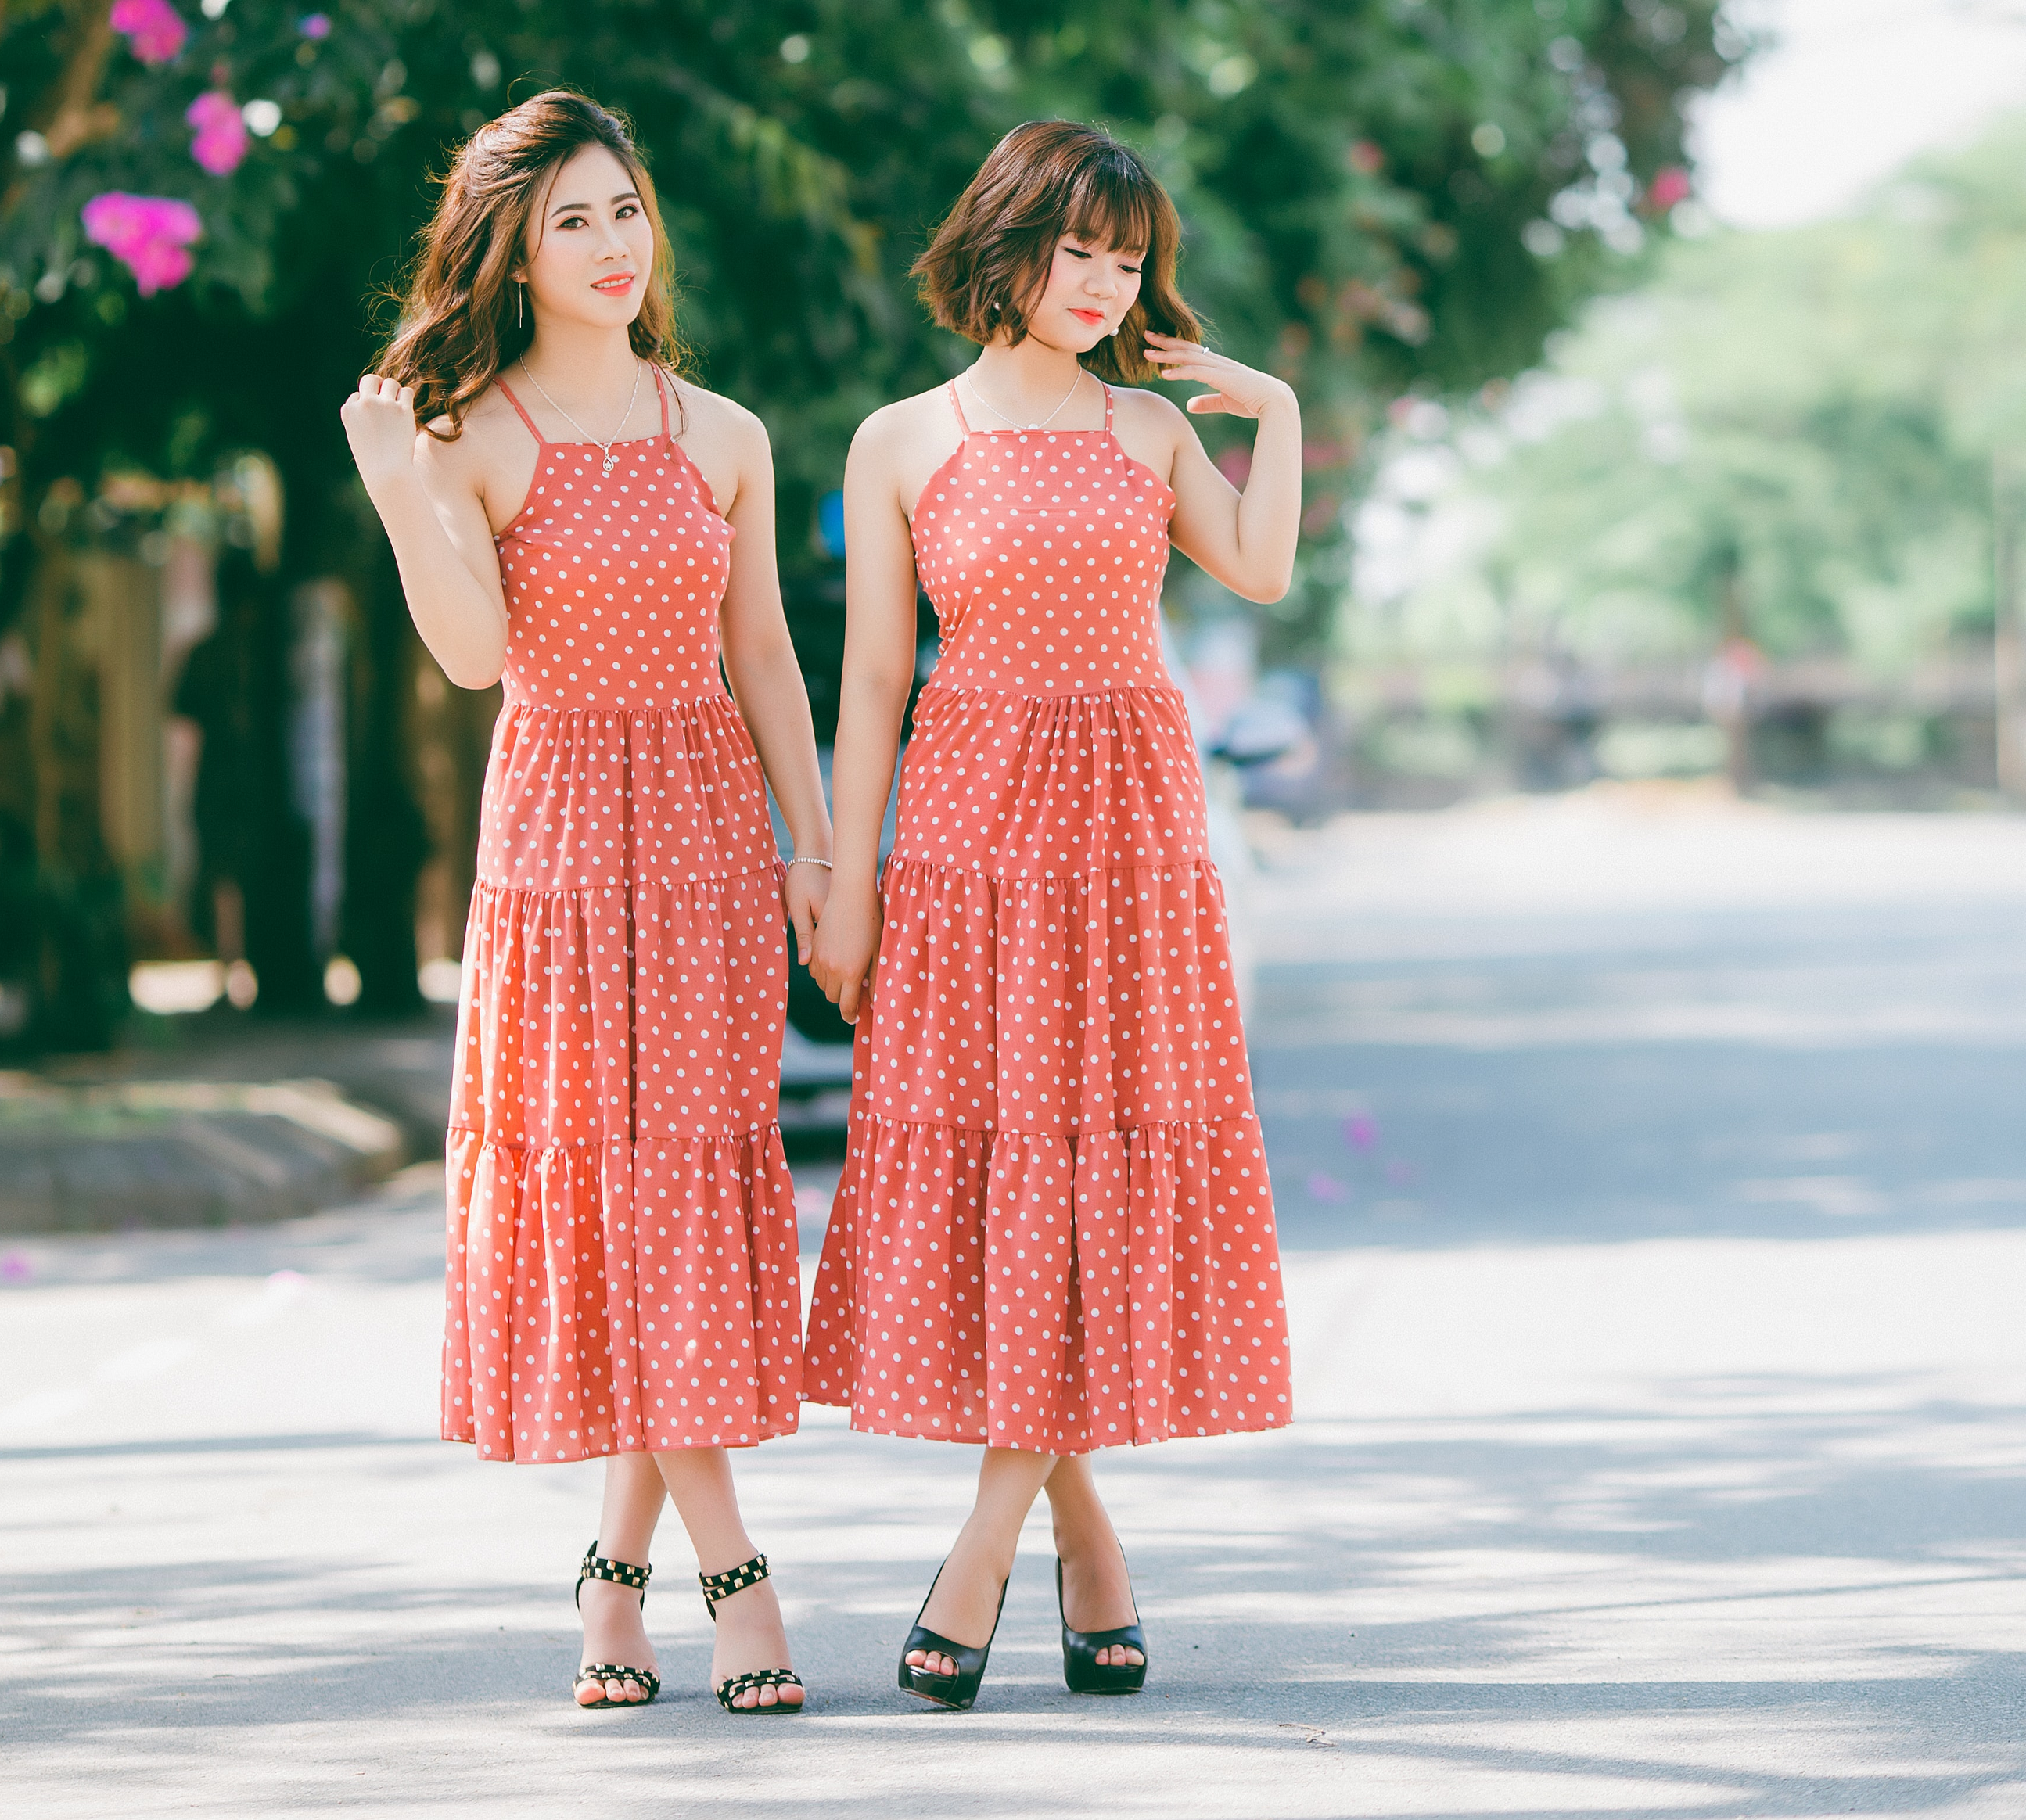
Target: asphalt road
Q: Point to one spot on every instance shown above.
(1654, 1182)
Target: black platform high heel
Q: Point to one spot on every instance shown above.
(1082, 1672)
(596, 1567)
(958, 1691)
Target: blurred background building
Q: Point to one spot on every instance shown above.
(1636, 446)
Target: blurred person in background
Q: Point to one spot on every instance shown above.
(579, 520)
(1054, 1231)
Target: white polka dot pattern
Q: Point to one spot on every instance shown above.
(623, 1262)
(1055, 1228)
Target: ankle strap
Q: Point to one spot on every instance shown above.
(596, 1567)
(737, 1579)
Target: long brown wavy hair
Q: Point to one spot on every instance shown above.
(990, 257)
(457, 327)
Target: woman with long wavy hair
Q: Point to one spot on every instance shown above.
(579, 519)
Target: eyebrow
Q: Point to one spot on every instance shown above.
(623, 196)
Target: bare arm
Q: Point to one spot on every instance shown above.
(878, 670)
(1246, 540)
(434, 516)
(766, 682)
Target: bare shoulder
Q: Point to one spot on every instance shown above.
(490, 424)
(713, 411)
(894, 430)
(1149, 412)
(480, 442)
(712, 418)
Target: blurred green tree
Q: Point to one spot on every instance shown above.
(1796, 429)
(1379, 195)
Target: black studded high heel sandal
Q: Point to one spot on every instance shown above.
(958, 1691)
(595, 1566)
(717, 1586)
(1082, 1672)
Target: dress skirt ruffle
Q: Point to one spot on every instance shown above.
(623, 1268)
(1055, 1229)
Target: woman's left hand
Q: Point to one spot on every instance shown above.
(804, 893)
(1239, 391)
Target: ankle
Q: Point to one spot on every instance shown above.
(985, 1553)
(1087, 1544)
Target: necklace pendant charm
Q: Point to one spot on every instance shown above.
(611, 462)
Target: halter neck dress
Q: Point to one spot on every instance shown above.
(1054, 1230)
(623, 1270)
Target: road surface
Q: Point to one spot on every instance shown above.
(1653, 1180)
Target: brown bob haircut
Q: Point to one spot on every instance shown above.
(458, 327)
(990, 257)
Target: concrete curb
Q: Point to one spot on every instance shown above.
(112, 1158)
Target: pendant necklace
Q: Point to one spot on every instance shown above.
(1001, 415)
(604, 448)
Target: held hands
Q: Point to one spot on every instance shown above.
(846, 945)
(380, 425)
(1239, 391)
(805, 894)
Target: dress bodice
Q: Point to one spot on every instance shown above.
(1044, 552)
(614, 576)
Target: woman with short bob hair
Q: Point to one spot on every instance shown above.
(1054, 1231)
(579, 519)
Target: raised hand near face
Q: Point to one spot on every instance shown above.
(380, 424)
(1240, 391)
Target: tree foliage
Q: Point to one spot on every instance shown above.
(1378, 195)
(1361, 181)
(1803, 420)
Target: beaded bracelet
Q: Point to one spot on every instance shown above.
(809, 859)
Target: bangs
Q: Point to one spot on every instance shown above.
(1113, 203)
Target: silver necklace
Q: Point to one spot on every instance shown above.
(1002, 416)
(604, 448)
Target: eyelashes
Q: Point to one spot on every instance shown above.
(623, 212)
(1078, 252)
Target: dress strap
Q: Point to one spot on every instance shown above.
(539, 442)
(1107, 405)
(662, 391)
(956, 405)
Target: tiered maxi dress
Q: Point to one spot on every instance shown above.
(623, 1268)
(1054, 1230)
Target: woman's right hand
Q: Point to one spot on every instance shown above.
(847, 944)
(380, 425)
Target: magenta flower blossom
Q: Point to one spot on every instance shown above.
(153, 29)
(221, 142)
(150, 235)
(316, 25)
(1361, 1131)
(1670, 185)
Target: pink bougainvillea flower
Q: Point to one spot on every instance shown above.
(152, 28)
(221, 140)
(1670, 185)
(150, 235)
(1361, 1131)
(1325, 1188)
(315, 25)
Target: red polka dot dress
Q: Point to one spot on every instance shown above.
(622, 1264)
(1054, 1230)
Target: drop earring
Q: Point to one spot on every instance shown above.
(520, 300)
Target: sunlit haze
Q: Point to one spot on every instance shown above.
(1849, 90)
